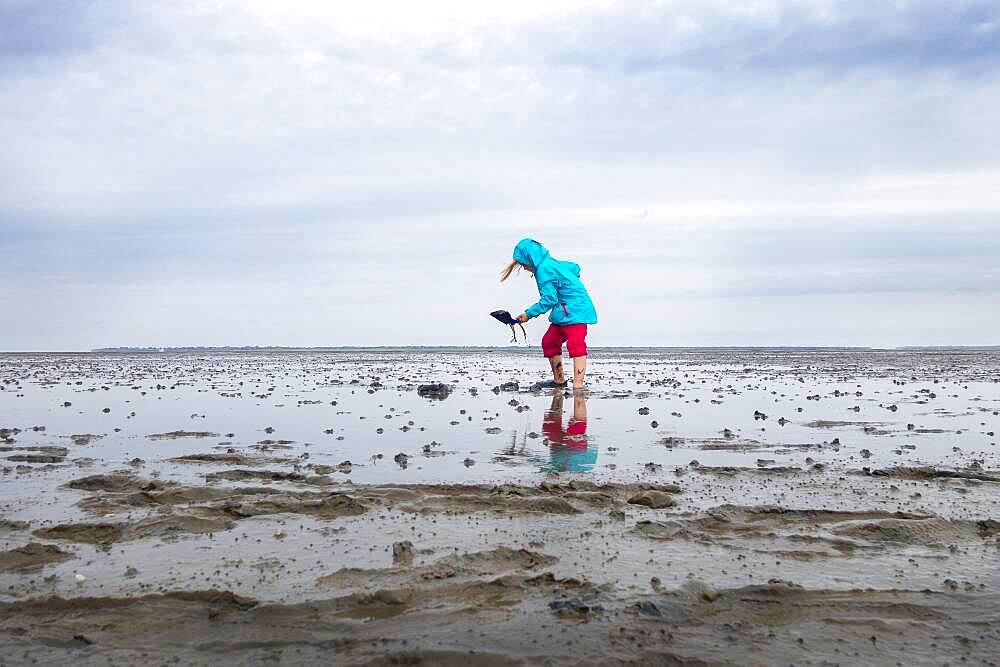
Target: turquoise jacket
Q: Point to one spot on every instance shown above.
(559, 286)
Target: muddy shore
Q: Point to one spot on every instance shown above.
(732, 540)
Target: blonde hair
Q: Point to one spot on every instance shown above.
(509, 269)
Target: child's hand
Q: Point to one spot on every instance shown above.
(522, 318)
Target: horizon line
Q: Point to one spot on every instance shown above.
(151, 349)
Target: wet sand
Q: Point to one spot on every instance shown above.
(720, 537)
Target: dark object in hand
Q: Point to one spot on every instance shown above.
(505, 317)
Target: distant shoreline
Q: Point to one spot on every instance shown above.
(493, 348)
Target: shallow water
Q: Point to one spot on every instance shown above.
(842, 409)
(861, 483)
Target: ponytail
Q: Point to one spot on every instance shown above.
(509, 269)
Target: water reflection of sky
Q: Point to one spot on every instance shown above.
(849, 410)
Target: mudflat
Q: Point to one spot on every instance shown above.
(691, 507)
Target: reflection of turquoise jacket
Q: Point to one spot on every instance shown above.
(558, 284)
(572, 459)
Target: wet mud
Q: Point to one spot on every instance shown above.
(384, 508)
(32, 556)
(517, 618)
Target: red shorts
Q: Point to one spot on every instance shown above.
(574, 335)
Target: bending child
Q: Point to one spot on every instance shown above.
(563, 296)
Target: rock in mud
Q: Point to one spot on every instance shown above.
(438, 391)
(574, 607)
(402, 554)
(83, 439)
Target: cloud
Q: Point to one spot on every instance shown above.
(784, 38)
(56, 29)
(378, 159)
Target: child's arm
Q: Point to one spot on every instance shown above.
(549, 297)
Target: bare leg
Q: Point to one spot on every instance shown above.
(579, 371)
(557, 369)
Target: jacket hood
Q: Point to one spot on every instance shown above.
(530, 253)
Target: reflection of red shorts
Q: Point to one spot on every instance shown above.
(574, 335)
(575, 434)
(576, 428)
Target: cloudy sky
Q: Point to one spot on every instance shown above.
(726, 172)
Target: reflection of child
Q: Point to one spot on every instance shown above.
(568, 449)
(561, 292)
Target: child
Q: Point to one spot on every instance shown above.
(562, 293)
